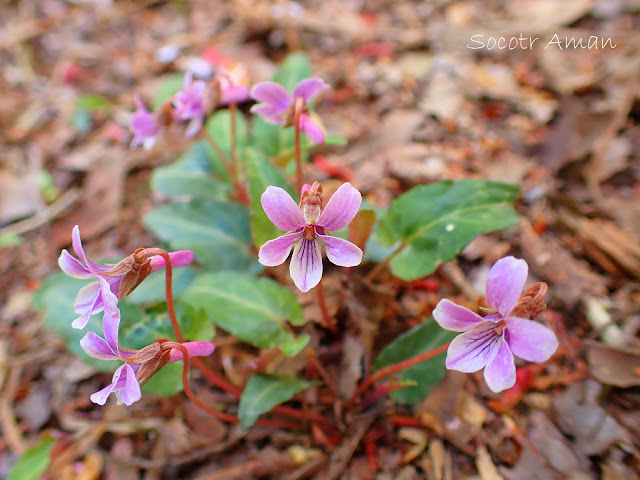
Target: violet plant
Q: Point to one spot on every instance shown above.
(233, 197)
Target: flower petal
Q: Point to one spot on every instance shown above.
(194, 126)
(341, 208)
(309, 88)
(97, 347)
(341, 252)
(272, 93)
(530, 340)
(77, 247)
(311, 129)
(306, 264)
(130, 391)
(195, 349)
(281, 209)
(72, 266)
(87, 302)
(179, 258)
(275, 252)
(268, 112)
(473, 349)
(111, 318)
(500, 372)
(234, 94)
(505, 283)
(455, 317)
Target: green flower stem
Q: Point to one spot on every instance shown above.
(396, 367)
(241, 191)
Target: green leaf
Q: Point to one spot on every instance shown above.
(216, 231)
(431, 224)
(33, 462)
(427, 374)
(252, 310)
(166, 382)
(294, 68)
(261, 174)
(10, 240)
(166, 90)
(192, 174)
(263, 392)
(152, 290)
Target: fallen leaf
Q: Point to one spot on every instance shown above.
(613, 366)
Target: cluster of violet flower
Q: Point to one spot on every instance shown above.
(113, 282)
(485, 342)
(197, 99)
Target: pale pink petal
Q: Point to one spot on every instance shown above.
(272, 93)
(311, 129)
(195, 349)
(341, 208)
(269, 113)
(309, 88)
(275, 252)
(500, 372)
(530, 340)
(341, 252)
(97, 347)
(234, 94)
(86, 304)
(73, 267)
(473, 349)
(111, 318)
(179, 258)
(306, 264)
(194, 126)
(504, 284)
(454, 317)
(130, 390)
(281, 209)
(77, 247)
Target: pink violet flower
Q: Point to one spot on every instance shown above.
(491, 342)
(231, 88)
(189, 104)
(144, 125)
(126, 381)
(309, 226)
(103, 294)
(277, 105)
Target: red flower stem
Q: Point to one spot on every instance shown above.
(396, 367)
(241, 192)
(187, 389)
(296, 123)
(382, 265)
(210, 374)
(326, 318)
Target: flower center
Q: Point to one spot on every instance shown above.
(500, 327)
(309, 232)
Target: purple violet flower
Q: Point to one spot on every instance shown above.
(277, 105)
(231, 89)
(491, 342)
(128, 377)
(103, 295)
(189, 104)
(310, 226)
(144, 126)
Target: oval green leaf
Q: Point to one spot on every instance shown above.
(431, 224)
(217, 232)
(252, 310)
(263, 392)
(33, 462)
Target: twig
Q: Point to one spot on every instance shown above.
(230, 472)
(43, 216)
